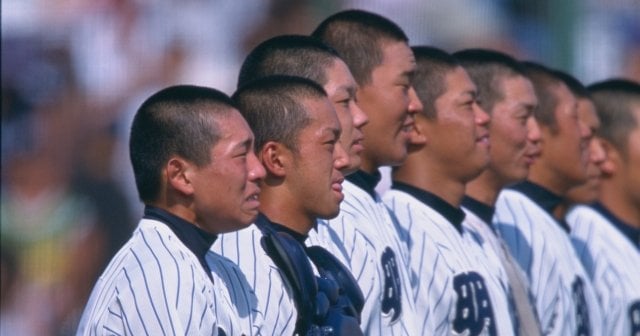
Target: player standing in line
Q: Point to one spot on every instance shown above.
(606, 233)
(508, 96)
(378, 55)
(456, 292)
(587, 192)
(526, 213)
(297, 133)
(196, 172)
(305, 56)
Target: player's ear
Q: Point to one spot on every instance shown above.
(418, 136)
(178, 173)
(612, 159)
(275, 157)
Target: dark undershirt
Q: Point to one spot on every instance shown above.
(629, 231)
(482, 210)
(543, 197)
(454, 215)
(194, 238)
(366, 181)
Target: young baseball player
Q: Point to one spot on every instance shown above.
(379, 57)
(606, 234)
(308, 57)
(508, 96)
(300, 290)
(197, 174)
(456, 293)
(526, 213)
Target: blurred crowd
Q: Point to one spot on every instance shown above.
(75, 71)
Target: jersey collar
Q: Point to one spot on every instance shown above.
(281, 228)
(482, 210)
(194, 238)
(629, 231)
(543, 197)
(365, 181)
(454, 215)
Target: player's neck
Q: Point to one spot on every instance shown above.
(544, 177)
(431, 179)
(368, 166)
(621, 205)
(485, 188)
(284, 209)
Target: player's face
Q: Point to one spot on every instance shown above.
(631, 161)
(226, 190)
(515, 134)
(390, 102)
(458, 135)
(564, 148)
(316, 178)
(589, 190)
(341, 89)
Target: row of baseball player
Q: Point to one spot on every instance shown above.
(262, 216)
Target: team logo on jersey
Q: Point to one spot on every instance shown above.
(474, 312)
(634, 317)
(582, 312)
(391, 302)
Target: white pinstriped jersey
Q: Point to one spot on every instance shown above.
(563, 293)
(364, 237)
(501, 296)
(455, 292)
(276, 304)
(155, 285)
(613, 263)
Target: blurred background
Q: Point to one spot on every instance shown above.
(75, 71)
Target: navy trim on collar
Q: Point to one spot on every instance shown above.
(194, 238)
(281, 228)
(482, 210)
(540, 195)
(366, 181)
(454, 215)
(629, 231)
(543, 197)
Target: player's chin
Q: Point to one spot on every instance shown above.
(331, 211)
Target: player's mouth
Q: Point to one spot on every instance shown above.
(253, 201)
(531, 156)
(356, 145)
(336, 187)
(483, 139)
(407, 127)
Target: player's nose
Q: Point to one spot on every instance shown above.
(341, 160)
(256, 169)
(533, 130)
(415, 105)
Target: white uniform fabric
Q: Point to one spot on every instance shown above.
(613, 263)
(364, 237)
(522, 313)
(455, 293)
(155, 285)
(562, 290)
(276, 304)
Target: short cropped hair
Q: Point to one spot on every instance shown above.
(433, 65)
(614, 100)
(545, 82)
(359, 37)
(487, 68)
(274, 107)
(293, 55)
(178, 120)
(575, 86)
